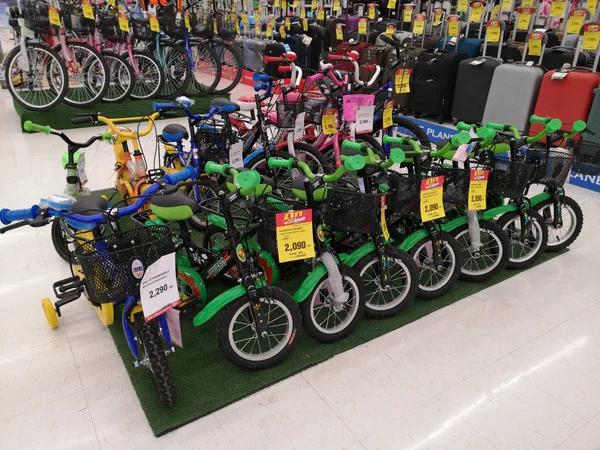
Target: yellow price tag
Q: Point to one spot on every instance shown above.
(391, 4)
(535, 44)
(288, 24)
(112, 3)
(558, 8)
(321, 14)
(362, 25)
(419, 25)
(336, 5)
(437, 16)
(462, 6)
(371, 13)
(388, 110)
(269, 31)
(576, 22)
(507, 5)
(302, 13)
(313, 5)
(186, 20)
(493, 32)
(524, 19)
(123, 19)
(154, 26)
(453, 28)
(407, 15)
(527, 3)
(305, 24)
(591, 6)
(295, 4)
(272, 21)
(390, 30)
(284, 5)
(591, 37)
(295, 235)
(339, 32)
(402, 81)
(276, 4)
(237, 27)
(478, 180)
(88, 9)
(328, 121)
(384, 228)
(54, 16)
(496, 11)
(257, 29)
(282, 31)
(476, 14)
(432, 203)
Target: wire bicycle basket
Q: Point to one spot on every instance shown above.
(510, 178)
(214, 142)
(267, 230)
(552, 167)
(287, 113)
(405, 191)
(75, 21)
(586, 157)
(456, 184)
(314, 105)
(36, 17)
(108, 24)
(353, 211)
(114, 265)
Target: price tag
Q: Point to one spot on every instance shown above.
(558, 8)
(477, 189)
(437, 16)
(496, 10)
(535, 44)
(88, 9)
(419, 24)
(276, 4)
(390, 30)
(576, 21)
(507, 5)
(362, 25)
(83, 179)
(371, 11)
(306, 40)
(339, 32)
(305, 25)
(388, 114)
(288, 24)
(432, 205)
(391, 4)
(272, 20)
(154, 26)
(592, 6)
(462, 6)
(112, 3)
(402, 81)
(284, 5)
(313, 5)
(321, 14)
(186, 19)
(591, 37)
(408, 12)
(476, 12)
(328, 121)
(123, 19)
(236, 157)
(282, 31)
(453, 28)
(299, 127)
(269, 30)
(559, 75)
(364, 119)
(527, 3)
(158, 288)
(54, 15)
(257, 29)
(384, 228)
(174, 324)
(336, 5)
(295, 4)
(295, 235)
(237, 27)
(302, 13)
(492, 33)
(524, 18)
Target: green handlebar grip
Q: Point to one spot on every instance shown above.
(462, 126)
(579, 126)
(355, 162)
(249, 179)
(538, 119)
(553, 125)
(30, 126)
(497, 126)
(397, 155)
(461, 138)
(213, 167)
(392, 140)
(485, 133)
(107, 136)
(275, 163)
(347, 144)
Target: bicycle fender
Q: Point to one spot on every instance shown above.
(128, 330)
(216, 304)
(360, 253)
(182, 260)
(454, 224)
(309, 283)
(497, 211)
(269, 266)
(411, 240)
(542, 197)
(164, 327)
(248, 158)
(191, 278)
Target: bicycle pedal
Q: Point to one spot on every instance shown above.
(68, 288)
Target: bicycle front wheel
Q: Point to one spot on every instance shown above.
(176, 68)
(206, 69)
(121, 78)
(38, 83)
(231, 67)
(149, 77)
(88, 74)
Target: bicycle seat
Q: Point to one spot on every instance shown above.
(298, 189)
(88, 205)
(246, 103)
(176, 206)
(225, 105)
(175, 132)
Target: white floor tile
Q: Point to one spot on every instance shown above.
(583, 331)
(587, 438)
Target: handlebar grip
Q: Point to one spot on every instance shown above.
(331, 57)
(397, 155)
(553, 126)
(271, 59)
(461, 138)
(538, 119)
(275, 163)
(7, 216)
(486, 133)
(257, 77)
(83, 119)
(213, 167)
(284, 69)
(157, 106)
(106, 136)
(392, 140)
(580, 126)
(347, 144)
(497, 126)
(249, 179)
(355, 162)
(462, 126)
(182, 175)
(30, 126)
(260, 87)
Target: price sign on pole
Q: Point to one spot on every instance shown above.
(476, 11)
(453, 28)
(592, 5)
(88, 9)
(339, 32)
(321, 14)
(186, 20)
(54, 15)
(282, 31)
(492, 33)
(313, 4)
(295, 235)
(302, 13)
(507, 5)
(535, 44)
(402, 81)
(305, 24)
(388, 116)
(438, 13)
(407, 13)
(591, 37)
(336, 5)
(558, 8)
(123, 19)
(462, 6)
(328, 121)
(362, 25)
(432, 204)
(371, 11)
(269, 31)
(419, 24)
(524, 18)
(390, 30)
(477, 189)
(576, 21)
(391, 4)
(364, 119)
(158, 287)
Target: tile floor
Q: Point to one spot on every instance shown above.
(516, 366)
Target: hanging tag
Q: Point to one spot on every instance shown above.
(236, 155)
(282, 31)
(524, 18)
(384, 228)
(432, 205)
(391, 4)
(269, 30)
(402, 81)
(476, 11)
(174, 324)
(257, 29)
(453, 28)
(295, 4)
(284, 6)
(276, 4)
(237, 27)
(477, 62)
(362, 25)
(527, 3)
(535, 44)
(591, 37)
(437, 16)
(186, 19)
(388, 114)
(305, 24)
(390, 30)
(408, 12)
(492, 33)
(83, 179)
(419, 24)
(54, 15)
(371, 11)
(123, 19)
(154, 26)
(339, 32)
(576, 21)
(294, 235)
(477, 189)
(336, 5)
(592, 5)
(299, 127)
(288, 24)
(496, 10)
(558, 8)
(461, 153)
(306, 40)
(158, 287)
(364, 119)
(328, 121)
(313, 5)
(559, 75)
(88, 9)
(321, 14)
(507, 5)
(302, 13)
(272, 21)
(462, 6)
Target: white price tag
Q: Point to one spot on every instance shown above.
(236, 157)
(158, 289)
(559, 75)
(299, 127)
(306, 40)
(364, 119)
(83, 179)
(461, 153)
(361, 185)
(174, 324)
(477, 62)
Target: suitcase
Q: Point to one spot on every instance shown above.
(343, 49)
(372, 36)
(273, 49)
(469, 46)
(510, 53)
(351, 23)
(432, 87)
(556, 57)
(330, 24)
(382, 25)
(248, 54)
(593, 120)
(318, 44)
(553, 39)
(421, 43)
(405, 60)
(259, 54)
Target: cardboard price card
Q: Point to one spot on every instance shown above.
(408, 12)
(391, 4)
(453, 26)
(591, 37)
(524, 18)
(527, 3)
(535, 44)
(336, 5)
(371, 11)
(269, 30)
(88, 9)
(462, 6)
(432, 204)
(321, 14)
(592, 6)
(438, 13)
(362, 25)
(153, 19)
(576, 21)
(478, 180)
(329, 121)
(558, 8)
(288, 24)
(295, 235)
(390, 30)
(284, 5)
(305, 24)
(186, 20)
(282, 31)
(402, 81)
(476, 11)
(339, 32)
(388, 114)
(158, 286)
(302, 13)
(492, 33)
(123, 19)
(54, 15)
(419, 24)
(313, 5)
(364, 119)
(507, 5)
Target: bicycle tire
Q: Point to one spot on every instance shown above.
(235, 60)
(546, 210)
(103, 73)
(57, 64)
(413, 128)
(538, 224)
(151, 68)
(176, 68)
(58, 240)
(206, 62)
(119, 72)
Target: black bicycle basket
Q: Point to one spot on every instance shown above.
(509, 178)
(167, 19)
(287, 113)
(141, 29)
(75, 21)
(36, 17)
(456, 184)
(587, 157)
(108, 24)
(551, 167)
(353, 211)
(404, 194)
(214, 142)
(114, 265)
(267, 230)
(314, 105)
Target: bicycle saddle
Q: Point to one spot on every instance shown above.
(175, 133)
(175, 206)
(88, 205)
(246, 103)
(298, 189)
(225, 105)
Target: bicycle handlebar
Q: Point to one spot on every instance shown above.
(351, 163)
(396, 154)
(7, 216)
(538, 119)
(246, 180)
(96, 117)
(30, 126)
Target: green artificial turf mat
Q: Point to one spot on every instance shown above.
(206, 381)
(59, 117)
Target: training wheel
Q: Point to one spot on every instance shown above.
(106, 313)
(50, 313)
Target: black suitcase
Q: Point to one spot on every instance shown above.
(330, 24)
(318, 44)
(432, 88)
(406, 60)
(510, 53)
(372, 36)
(273, 49)
(553, 39)
(556, 57)
(382, 25)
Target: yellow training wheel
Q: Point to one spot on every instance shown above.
(50, 313)
(106, 313)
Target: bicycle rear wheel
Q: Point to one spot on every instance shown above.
(231, 66)
(206, 69)
(42, 84)
(149, 77)
(88, 74)
(121, 78)
(176, 68)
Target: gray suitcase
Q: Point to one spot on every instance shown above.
(259, 54)
(593, 120)
(514, 92)
(248, 54)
